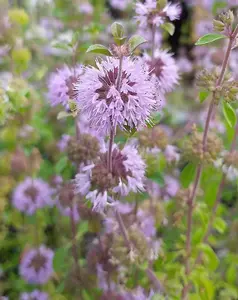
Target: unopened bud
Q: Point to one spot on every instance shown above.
(218, 25)
(19, 162)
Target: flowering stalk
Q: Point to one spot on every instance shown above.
(199, 169)
(153, 30)
(74, 241)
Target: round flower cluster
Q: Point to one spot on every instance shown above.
(97, 182)
(36, 266)
(194, 150)
(163, 68)
(31, 195)
(61, 85)
(149, 15)
(152, 138)
(35, 295)
(110, 97)
(228, 162)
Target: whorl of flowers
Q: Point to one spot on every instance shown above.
(149, 14)
(228, 162)
(96, 182)
(32, 194)
(36, 266)
(35, 295)
(61, 85)
(164, 69)
(109, 98)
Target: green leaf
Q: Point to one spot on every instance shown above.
(169, 27)
(187, 174)
(117, 30)
(99, 49)
(209, 38)
(231, 273)
(135, 41)
(61, 164)
(220, 225)
(229, 114)
(120, 41)
(211, 260)
(157, 177)
(203, 96)
(60, 257)
(61, 46)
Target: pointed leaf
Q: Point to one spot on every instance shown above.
(99, 49)
(135, 41)
(209, 38)
(169, 27)
(203, 96)
(229, 114)
(210, 256)
(117, 30)
(220, 225)
(187, 175)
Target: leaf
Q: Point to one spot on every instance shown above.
(211, 260)
(135, 41)
(117, 30)
(59, 258)
(229, 114)
(220, 225)
(209, 38)
(203, 96)
(231, 273)
(61, 46)
(63, 115)
(157, 177)
(61, 164)
(169, 27)
(187, 174)
(99, 49)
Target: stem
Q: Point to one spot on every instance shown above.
(153, 30)
(74, 241)
(199, 170)
(123, 230)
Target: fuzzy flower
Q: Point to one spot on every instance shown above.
(148, 35)
(169, 190)
(86, 8)
(108, 101)
(36, 266)
(120, 4)
(149, 15)
(61, 85)
(35, 295)
(32, 194)
(96, 182)
(228, 162)
(172, 154)
(63, 142)
(163, 69)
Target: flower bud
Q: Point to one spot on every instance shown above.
(155, 137)
(19, 162)
(218, 25)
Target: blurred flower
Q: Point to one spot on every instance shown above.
(85, 8)
(120, 4)
(36, 266)
(147, 34)
(149, 15)
(228, 163)
(4, 50)
(163, 69)
(184, 64)
(166, 192)
(172, 153)
(96, 182)
(61, 85)
(139, 294)
(63, 142)
(108, 102)
(32, 194)
(36, 294)
(203, 27)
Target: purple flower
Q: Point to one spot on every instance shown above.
(86, 8)
(96, 182)
(171, 153)
(4, 50)
(61, 85)
(36, 266)
(163, 68)
(120, 4)
(35, 295)
(147, 223)
(63, 142)
(149, 15)
(147, 34)
(108, 102)
(32, 194)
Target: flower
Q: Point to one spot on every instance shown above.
(171, 153)
(163, 69)
(228, 163)
(86, 8)
(120, 4)
(96, 182)
(35, 295)
(108, 102)
(61, 85)
(63, 142)
(32, 194)
(149, 15)
(148, 35)
(36, 266)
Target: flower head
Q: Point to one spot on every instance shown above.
(35, 295)
(120, 4)
(31, 195)
(36, 266)
(109, 99)
(148, 14)
(228, 162)
(61, 85)
(96, 182)
(163, 69)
